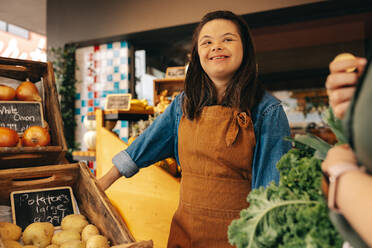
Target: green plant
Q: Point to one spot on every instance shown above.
(64, 65)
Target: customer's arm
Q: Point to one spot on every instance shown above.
(353, 195)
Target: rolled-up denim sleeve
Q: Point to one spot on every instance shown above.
(154, 144)
(270, 145)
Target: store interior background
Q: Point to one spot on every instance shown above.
(295, 40)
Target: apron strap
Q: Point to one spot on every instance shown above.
(240, 120)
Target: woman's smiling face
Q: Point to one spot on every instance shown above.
(220, 49)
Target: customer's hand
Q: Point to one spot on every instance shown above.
(341, 154)
(341, 84)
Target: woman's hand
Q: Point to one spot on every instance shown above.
(341, 84)
(341, 154)
(109, 178)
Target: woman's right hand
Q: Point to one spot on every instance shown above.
(109, 178)
(341, 84)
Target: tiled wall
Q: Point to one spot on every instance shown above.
(101, 70)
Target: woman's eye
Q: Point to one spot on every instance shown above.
(228, 39)
(205, 43)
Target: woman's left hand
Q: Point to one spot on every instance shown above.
(341, 154)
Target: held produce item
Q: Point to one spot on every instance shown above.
(6, 93)
(36, 136)
(8, 137)
(27, 91)
(292, 213)
(345, 56)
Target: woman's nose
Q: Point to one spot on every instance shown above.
(217, 47)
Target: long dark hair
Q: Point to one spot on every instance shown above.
(242, 92)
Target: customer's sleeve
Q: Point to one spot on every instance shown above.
(270, 145)
(154, 144)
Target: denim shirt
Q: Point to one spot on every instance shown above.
(160, 141)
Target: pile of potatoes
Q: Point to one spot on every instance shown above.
(76, 233)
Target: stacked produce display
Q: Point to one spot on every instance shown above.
(32, 158)
(76, 233)
(29, 106)
(33, 136)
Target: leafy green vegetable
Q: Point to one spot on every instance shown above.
(335, 125)
(292, 213)
(320, 146)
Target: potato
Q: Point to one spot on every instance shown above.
(11, 244)
(52, 246)
(97, 241)
(39, 234)
(29, 246)
(74, 222)
(88, 231)
(10, 231)
(66, 235)
(73, 244)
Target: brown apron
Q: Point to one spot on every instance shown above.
(215, 152)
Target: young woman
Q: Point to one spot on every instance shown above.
(225, 131)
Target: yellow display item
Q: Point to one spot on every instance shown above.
(139, 105)
(146, 201)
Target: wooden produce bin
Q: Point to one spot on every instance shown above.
(172, 85)
(92, 202)
(16, 157)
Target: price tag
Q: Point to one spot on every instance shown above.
(19, 115)
(42, 205)
(118, 102)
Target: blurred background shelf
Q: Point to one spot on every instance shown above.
(112, 115)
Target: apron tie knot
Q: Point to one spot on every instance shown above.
(240, 119)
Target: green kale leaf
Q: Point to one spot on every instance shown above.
(290, 214)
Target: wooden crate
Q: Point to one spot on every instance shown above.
(16, 157)
(92, 201)
(170, 84)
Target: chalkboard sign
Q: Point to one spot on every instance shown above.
(19, 115)
(118, 102)
(42, 205)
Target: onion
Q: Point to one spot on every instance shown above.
(8, 137)
(36, 136)
(27, 91)
(6, 93)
